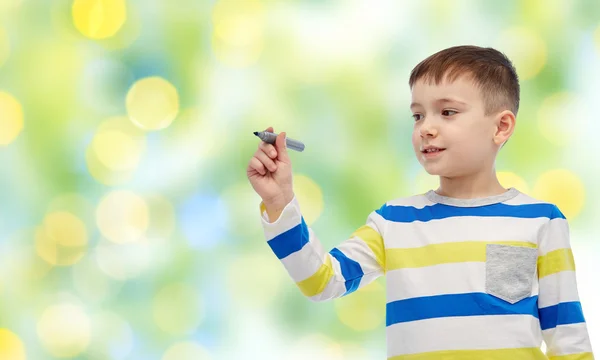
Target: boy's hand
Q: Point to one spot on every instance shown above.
(270, 174)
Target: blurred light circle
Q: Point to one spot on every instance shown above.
(509, 179)
(127, 34)
(562, 188)
(112, 337)
(364, 310)
(122, 216)
(204, 221)
(186, 351)
(11, 346)
(4, 46)
(11, 119)
(238, 32)
(118, 144)
(550, 16)
(115, 151)
(124, 261)
(64, 330)
(310, 198)
(152, 103)
(526, 49)
(62, 239)
(99, 19)
(553, 114)
(177, 309)
(102, 174)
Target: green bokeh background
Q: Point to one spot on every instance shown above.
(203, 284)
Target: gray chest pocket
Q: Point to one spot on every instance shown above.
(509, 271)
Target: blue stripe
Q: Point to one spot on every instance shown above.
(406, 214)
(470, 304)
(351, 270)
(290, 241)
(561, 314)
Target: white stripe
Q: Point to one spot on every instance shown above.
(460, 333)
(357, 250)
(555, 236)
(369, 278)
(567, 339)
(455, 278)
(317, 245)
(303, 263)
(558, 287)
(462, 228)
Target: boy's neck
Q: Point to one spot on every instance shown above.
(470, 187)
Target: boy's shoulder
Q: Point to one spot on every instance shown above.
(550, 209)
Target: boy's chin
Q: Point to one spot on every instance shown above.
(437, 171)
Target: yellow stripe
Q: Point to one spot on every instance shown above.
(556, 261)
(444, 253)
(375, 242)
(580, 356)
(315, 284)
(263, 207)
(495, 354)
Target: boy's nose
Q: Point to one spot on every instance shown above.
(427, 130)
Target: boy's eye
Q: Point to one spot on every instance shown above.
(417, 117)
(449, 112)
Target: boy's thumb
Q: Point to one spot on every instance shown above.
(280, 144)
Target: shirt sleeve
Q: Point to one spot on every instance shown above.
(321, 275)
(560, 312)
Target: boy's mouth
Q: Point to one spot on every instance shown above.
(431, 149)
(432, 152)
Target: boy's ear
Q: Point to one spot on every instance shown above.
(504, 126)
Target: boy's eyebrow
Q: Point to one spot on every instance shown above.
(440, 101)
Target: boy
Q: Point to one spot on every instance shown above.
(473, 270)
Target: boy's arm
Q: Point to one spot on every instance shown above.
(560, 312)
(322, 275)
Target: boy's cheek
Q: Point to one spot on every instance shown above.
(416, 138)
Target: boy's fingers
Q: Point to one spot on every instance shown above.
(268, 149)
(258, 166)
(266, 160)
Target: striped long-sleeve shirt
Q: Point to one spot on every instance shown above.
(487, 278)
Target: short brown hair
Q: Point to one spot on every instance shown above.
(490, 69)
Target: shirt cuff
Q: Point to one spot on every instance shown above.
(289, 218)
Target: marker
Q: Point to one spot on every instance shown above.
(270, 137)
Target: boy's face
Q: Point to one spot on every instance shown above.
(451, 116)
